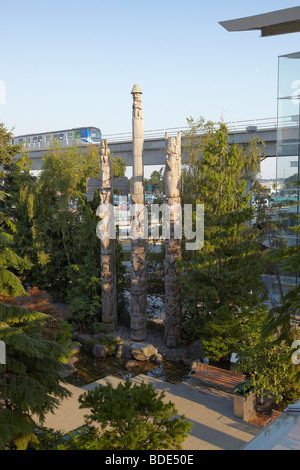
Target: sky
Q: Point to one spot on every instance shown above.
(68, 63)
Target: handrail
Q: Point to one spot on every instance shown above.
(233, 126)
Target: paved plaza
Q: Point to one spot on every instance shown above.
(211, 411)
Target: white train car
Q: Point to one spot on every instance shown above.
(67, 138)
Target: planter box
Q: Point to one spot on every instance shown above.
(244, 406)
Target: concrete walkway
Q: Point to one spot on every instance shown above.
(211, 411)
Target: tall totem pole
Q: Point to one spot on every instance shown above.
(173, 240)
(138, 239)
(108, 262)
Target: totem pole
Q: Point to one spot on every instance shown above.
(173, 241)
(138, 238)
(104, 232)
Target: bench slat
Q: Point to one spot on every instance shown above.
(217, 376)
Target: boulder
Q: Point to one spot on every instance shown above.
(75, 348)
(68, 370)
(131, 364)
(124, 351)
(173, 355)
(99, 350)
(84, 339)
(71, 360)
(142, 351)
(156, 358)
(195, 351)
(190, 363)
(75, 335)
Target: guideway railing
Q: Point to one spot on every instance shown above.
(232, 126)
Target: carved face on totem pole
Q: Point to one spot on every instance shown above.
(105, 167)
(137, 102)
(173, 168)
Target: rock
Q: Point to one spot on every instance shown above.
(142, 351)
(173, 355)
(195, 351)
(190, 363)
(75, 335)
(71, 360)
(84, 339)
(131, 364)
(98, 335)
(124, 351)
(68, 370)
(75, 348)
(99, 350)
(156, 358)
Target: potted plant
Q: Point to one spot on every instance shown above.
(244, 400)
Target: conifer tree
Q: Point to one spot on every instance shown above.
(30, 381)
(9, 260)
(131, 417)
(222, 281)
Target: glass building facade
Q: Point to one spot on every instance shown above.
(288, 150)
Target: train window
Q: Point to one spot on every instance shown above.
(55, 136)
(40, 138)
(95, 134)
(77, 134)
(20, 141)
(27, 140)
(70, 135)
(35, 140)
(48, 137)
(61, 136)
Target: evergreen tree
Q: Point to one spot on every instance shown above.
(222, 281)
(84, 291)
(131, 417)
(20, 185)
(57, 219)
(267, 355)
(30, 378)
(10, 284)
(30, 381)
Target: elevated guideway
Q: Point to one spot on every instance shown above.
(240, 132)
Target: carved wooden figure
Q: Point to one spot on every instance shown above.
(138, 242)
(173, 244)
(108, 265)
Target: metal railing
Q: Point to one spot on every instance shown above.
(233, 126)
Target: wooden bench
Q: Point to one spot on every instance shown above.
(216, 376)
(274, 415)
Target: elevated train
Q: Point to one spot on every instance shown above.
(78, 136)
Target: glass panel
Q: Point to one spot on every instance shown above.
(288, 146)
(289, 76)
(95, 134)
(40, 138)
(61, 136)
